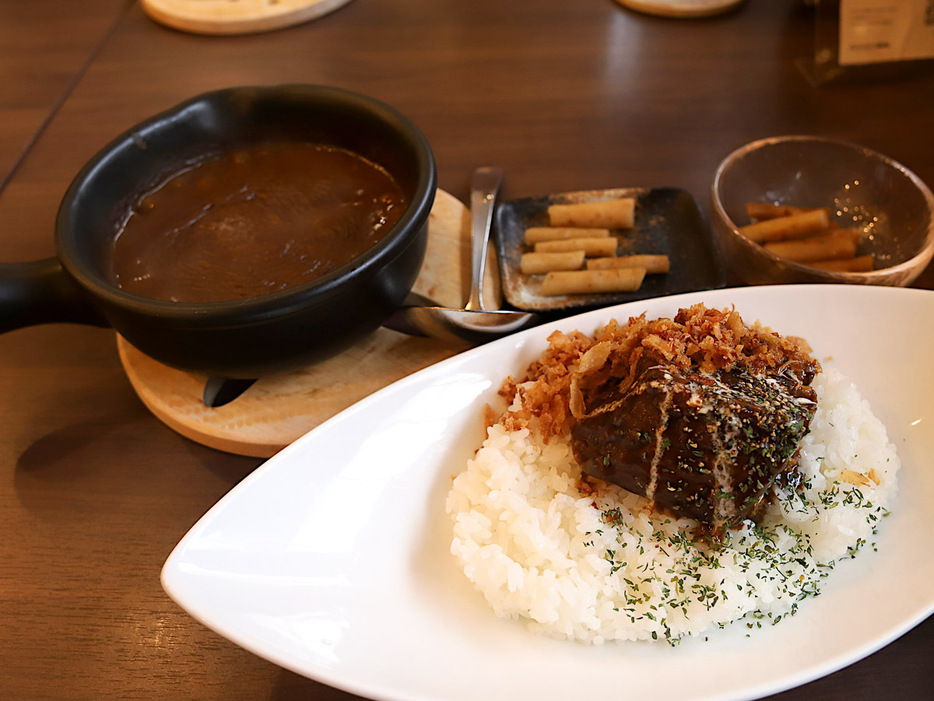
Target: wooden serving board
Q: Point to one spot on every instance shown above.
(236, 16)
(278, 409)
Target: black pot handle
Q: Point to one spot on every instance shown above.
(41, 292)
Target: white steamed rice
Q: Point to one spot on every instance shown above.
(604, 567)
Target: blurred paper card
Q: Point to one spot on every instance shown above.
(877, 31)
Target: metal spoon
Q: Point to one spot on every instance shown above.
(420, 316)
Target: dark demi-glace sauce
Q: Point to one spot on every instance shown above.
(252, 222)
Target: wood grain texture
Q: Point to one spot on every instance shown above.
(44, 46)
(95, 491)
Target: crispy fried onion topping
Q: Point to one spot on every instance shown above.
(575, 366)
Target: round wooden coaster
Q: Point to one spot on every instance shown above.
(681, 8)
(236, 16)
(276, 410)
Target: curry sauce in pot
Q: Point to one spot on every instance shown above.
(253, 221)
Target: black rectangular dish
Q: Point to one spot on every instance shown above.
(667, 221)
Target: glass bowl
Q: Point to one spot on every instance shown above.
(889, 205)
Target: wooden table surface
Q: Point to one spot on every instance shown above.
(95, 492)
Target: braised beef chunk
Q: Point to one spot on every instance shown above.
(702, 445)
(701, 413)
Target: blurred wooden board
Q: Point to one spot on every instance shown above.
(681, 8)
(236, 16)
(276, 410)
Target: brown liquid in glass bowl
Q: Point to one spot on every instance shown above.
(253, 221)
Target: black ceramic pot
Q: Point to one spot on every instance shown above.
(251, 337)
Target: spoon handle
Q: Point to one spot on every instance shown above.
(483, 188)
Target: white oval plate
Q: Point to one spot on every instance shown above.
(332, 558)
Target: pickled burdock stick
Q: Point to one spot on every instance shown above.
(592, 248)
(610, 214)
(537, 263)
(575, 282)
(537, 234)
(791, 227)
(860, 264)
(833, 228)
(852, 233)
(652, 263)
(837, 244)
(763, 210)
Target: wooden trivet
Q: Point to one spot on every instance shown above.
(236, 16)
(681, 8)
(278, 409)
